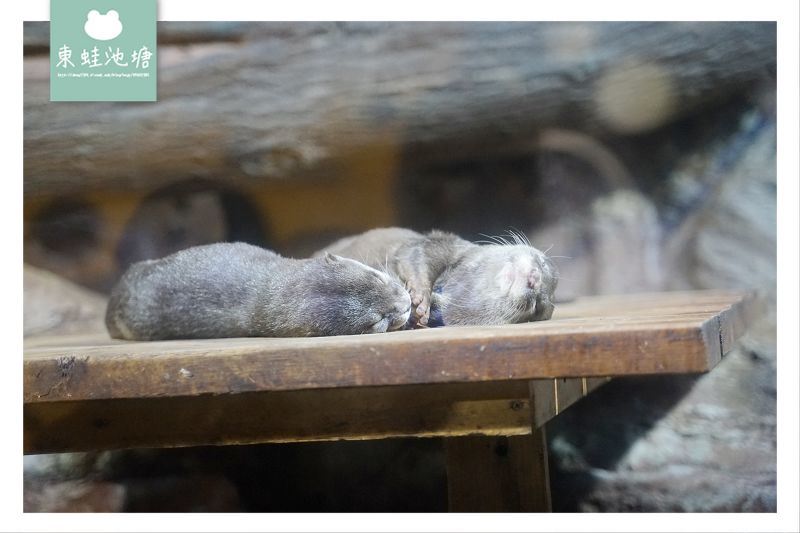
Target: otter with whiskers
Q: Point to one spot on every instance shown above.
(456, 282)
(239, 290)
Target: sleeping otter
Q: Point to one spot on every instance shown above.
(455, 282)
(240, 290)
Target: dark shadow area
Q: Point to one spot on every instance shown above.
(596, 432)
(67, 227)
(187, 214)
(393, 475)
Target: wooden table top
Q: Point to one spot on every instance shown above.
(671, 332)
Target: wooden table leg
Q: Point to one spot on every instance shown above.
(498, 474)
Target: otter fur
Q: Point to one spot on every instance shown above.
(455, 282)
(240, 290)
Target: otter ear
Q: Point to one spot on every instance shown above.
(330, 258)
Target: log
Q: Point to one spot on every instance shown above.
(293, 99)
(36, 35)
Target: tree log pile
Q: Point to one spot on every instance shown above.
(249, 102)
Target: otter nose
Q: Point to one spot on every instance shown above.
(535, 279)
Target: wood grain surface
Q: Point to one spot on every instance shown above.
(438, 410)
(597, 336)
(92, 393)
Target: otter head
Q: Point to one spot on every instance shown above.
(497, 284)
(351, 298)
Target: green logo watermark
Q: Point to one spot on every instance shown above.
(103, 50)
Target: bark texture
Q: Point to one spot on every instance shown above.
(278, 100)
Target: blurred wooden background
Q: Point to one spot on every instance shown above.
(289, 135)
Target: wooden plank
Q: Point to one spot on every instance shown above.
(550, 397)
(498, 474)
(296, 416)
(653, 334)
(535, 487)
(733, 320)
(568, 391)
(646, 304)
(593, 384)
(442, 410)
(543, 400)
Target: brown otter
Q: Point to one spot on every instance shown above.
(455, 282)
(240, 290)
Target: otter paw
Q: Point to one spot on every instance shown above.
(420, 304)
(423, 311)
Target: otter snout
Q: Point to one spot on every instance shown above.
(393, 320)
(525, 284)
(519, 276)
(535, 280)
(399, 320)
(401, 312)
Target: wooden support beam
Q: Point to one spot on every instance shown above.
(445, 410)
(498, 474)
(295, 416)
(504, 474)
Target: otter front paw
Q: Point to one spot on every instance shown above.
(420, 306)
